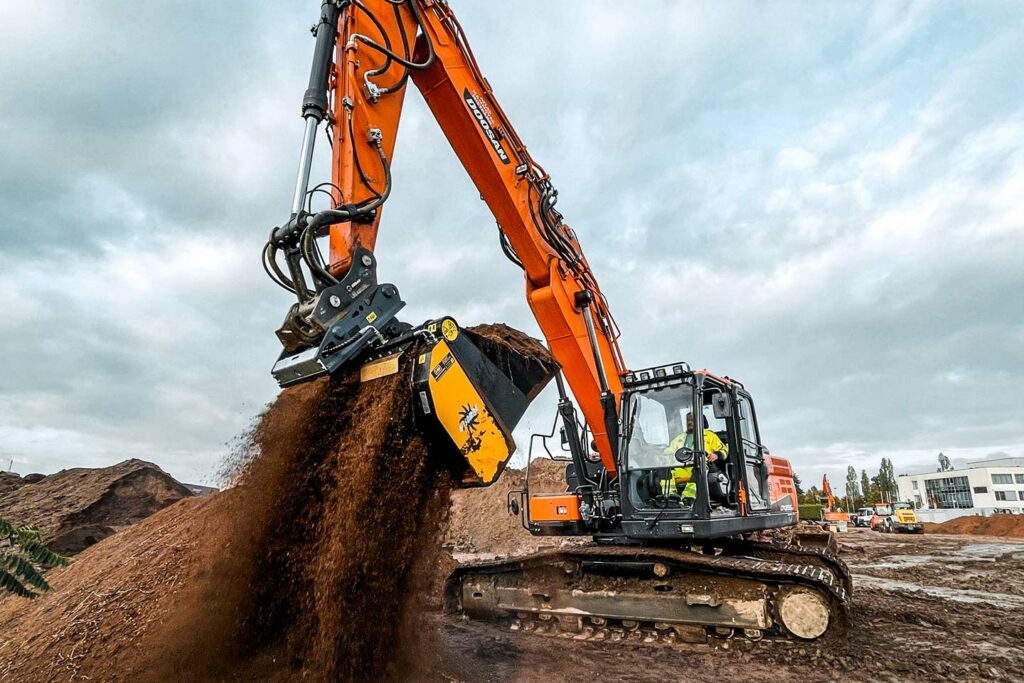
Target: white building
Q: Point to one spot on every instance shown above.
(981, 488)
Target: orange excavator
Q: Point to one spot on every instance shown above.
(667, 474)
(830, 516)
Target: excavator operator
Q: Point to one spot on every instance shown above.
(682, 477)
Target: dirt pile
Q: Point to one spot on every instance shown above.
(9, 481)
(309, 568)
(1009, 526)
(481, 523)
(302, 569)
(78, 507)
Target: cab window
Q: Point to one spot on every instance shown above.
(746, 422)
(658, 417)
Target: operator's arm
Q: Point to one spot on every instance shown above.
(714, 447)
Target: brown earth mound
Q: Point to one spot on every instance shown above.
(9, 481)
(1009, 526)
(481, 523)
(309, 568)
(78, 507)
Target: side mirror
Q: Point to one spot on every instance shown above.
(513, 507)
(686, 457)
(722, 403)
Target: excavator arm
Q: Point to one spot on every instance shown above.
(367, 52)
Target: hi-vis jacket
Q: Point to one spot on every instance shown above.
(681, 477)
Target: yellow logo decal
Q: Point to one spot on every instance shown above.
(449, 329)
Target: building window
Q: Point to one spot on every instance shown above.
(1019, 478)
(1002, 478)
(914, 482)
(981, 489)
(1006, 495)
(949, 492)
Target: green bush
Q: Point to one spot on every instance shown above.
(810, 512)
(23, 557)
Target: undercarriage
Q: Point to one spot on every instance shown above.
(661, 595)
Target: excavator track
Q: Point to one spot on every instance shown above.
(642, 594)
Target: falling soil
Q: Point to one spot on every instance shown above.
(336, 511)
(314, 566)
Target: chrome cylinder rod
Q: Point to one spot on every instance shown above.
(305, 165)
(588, 319)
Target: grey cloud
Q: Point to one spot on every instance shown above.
(734, 170)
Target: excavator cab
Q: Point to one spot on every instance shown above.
(710, 480)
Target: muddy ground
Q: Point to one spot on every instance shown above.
(926, 608)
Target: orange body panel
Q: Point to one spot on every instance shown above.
(497, 162)
(781, 489)
(554, 507)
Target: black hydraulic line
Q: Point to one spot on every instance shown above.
(426, 64)
(313, 261)
(508, 249)
(375, 92)
(274, 272)
(292, 258)
(355, 157)
(350, 212)
(405, 49)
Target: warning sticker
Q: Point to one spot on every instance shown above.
(449, 329)
(443, 366)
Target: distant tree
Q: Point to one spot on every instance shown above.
(865, 488)
(796, 484)
(853, 498)
(944, 464)
(23, 557)
(811, 496)
(886, 480)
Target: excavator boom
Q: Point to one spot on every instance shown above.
(378, 47)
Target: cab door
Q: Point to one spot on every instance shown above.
(755, 474)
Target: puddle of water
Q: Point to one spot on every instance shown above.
(898, 562)
(977, 552)
(963, 595)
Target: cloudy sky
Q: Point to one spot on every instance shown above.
(838, 188)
